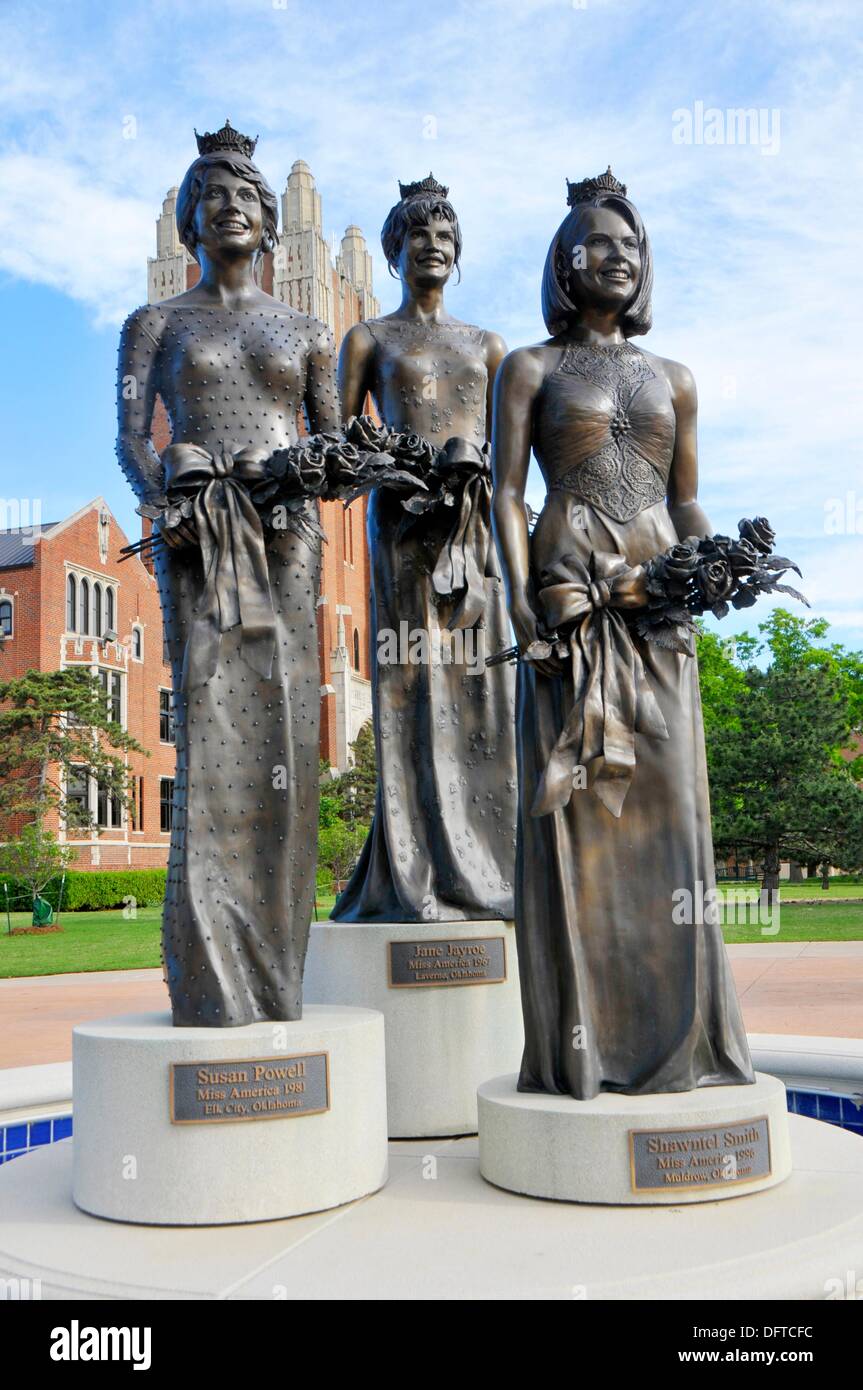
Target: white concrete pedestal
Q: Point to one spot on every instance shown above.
(659, 1150)
(442, 1037)
(298, 1124)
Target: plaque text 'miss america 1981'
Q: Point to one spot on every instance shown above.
(251, 1088)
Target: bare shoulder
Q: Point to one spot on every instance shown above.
(360, 337)
(493, 347)
(680, 379)
(526, 368)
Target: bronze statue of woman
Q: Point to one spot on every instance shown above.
(625, 982)
(442, 842)
(233, 367)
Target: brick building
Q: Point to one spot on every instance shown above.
(338, 290)
(67, 599)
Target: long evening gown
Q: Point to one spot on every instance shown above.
(241, 872)
(442, 842)
(616, 994)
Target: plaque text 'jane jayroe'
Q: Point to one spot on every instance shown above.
(254, 1088)
(712, 1156)
(473, 961)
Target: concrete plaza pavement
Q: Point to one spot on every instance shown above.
(812, 988)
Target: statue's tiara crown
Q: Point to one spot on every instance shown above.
(219, 141)
(429, 185)
(591, 188)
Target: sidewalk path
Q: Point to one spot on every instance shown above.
(809, 987)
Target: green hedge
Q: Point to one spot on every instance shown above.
(86, 891)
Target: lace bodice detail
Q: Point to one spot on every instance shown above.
(605, 429)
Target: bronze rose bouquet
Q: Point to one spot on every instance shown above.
(706, 576)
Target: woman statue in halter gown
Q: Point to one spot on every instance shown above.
(233, 367)
(442, 842)
(623, 988)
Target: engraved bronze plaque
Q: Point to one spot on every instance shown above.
(476, 960)
(253, 1088)
(710, 1156)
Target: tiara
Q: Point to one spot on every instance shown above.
(591, 188)
(226, 139)
(429, 185)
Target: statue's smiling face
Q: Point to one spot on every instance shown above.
(606, 260)
(428, 252)
(229, 214)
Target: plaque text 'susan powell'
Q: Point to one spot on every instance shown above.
(257, 1088)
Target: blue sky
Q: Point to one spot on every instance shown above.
(757, 243)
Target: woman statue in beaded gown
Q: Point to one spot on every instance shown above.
(623, 988)
(442, 842)
(233, 367)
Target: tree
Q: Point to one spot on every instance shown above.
(339, 846)
(780, 788)
(330, 805)
(35, 857)
(52, 723)
(357, 787)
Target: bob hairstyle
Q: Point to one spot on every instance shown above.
(416, 211)
(560, 308)
(190, 193)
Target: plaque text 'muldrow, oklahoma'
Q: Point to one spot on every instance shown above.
(713, 1156)
(477, 960)
(254, 1088)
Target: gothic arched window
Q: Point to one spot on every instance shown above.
(71, 604)
(84, 608)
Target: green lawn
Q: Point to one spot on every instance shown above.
(789, 892)
(798, 922)
(108, 941)
(90, 941)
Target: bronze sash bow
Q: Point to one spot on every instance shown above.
(612, 700)
(462, 564)
(231, 536)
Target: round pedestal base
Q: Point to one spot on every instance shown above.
(449, 993)
(205, 1126)
(691, 1146)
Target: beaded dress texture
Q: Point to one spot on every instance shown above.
(623, 989)
(241, 874)
(442, 841)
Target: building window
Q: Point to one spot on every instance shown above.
(356, 649)
(109, 809)
(166, 803)
(112, 684)
(98, 629)
(166, 717)
(71, 604)
(138, 805)
(84, 608)
(6, 625)
(78, 813)
(110, 615)
(137, 644)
